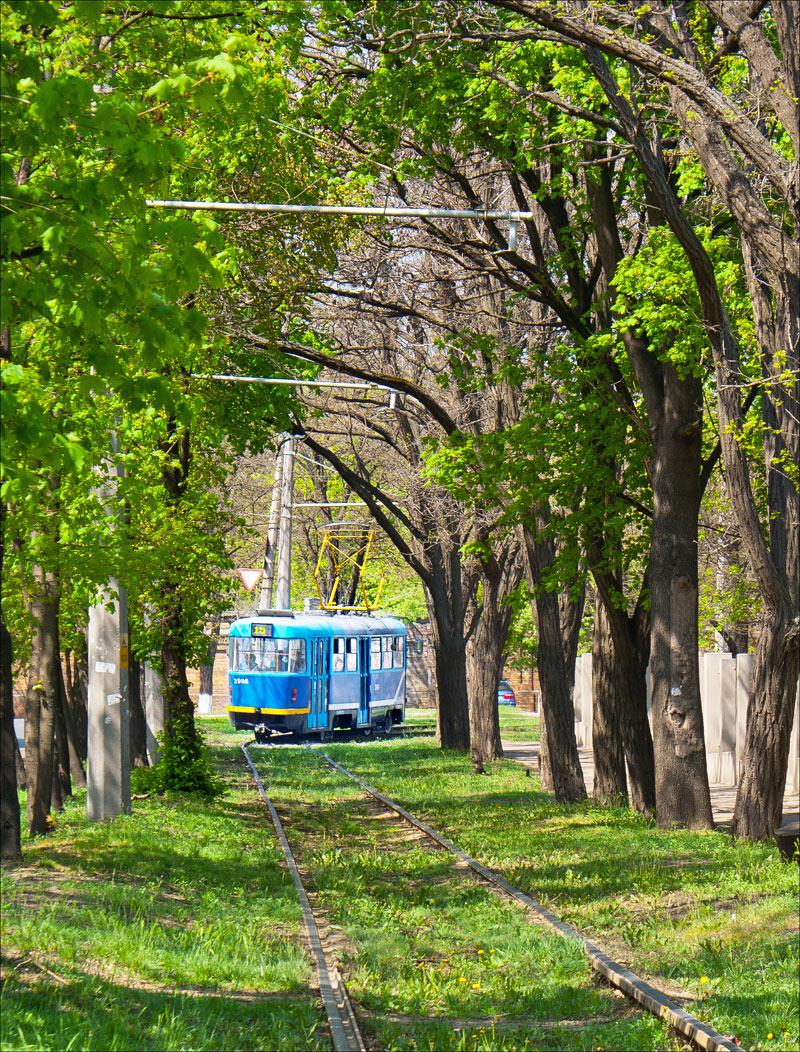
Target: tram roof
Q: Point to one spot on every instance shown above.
(294, 624)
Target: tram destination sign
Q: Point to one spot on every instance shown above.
(261, 630)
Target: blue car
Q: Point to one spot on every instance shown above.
(505, 693)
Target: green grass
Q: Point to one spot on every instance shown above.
(178, 928)
(433, 958)
(715, 919)
(174, 927)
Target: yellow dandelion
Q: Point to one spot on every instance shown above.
(770, 1036)
(480, 951)
(476, 986)
(461, 979)
(703, 978)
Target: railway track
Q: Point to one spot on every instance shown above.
(343, 1023)
(345, 1032)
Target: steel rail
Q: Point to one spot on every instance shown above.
(625, 980)
(345, 1032)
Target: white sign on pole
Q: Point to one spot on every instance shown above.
(250, 578)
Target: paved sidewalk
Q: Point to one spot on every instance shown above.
(723, 797)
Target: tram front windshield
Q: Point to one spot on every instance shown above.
(267, 655)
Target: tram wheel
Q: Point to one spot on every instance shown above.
(385, 727)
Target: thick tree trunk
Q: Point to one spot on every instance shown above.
(776, 662)
(630, 655)
(138, 724)
(490, 613)
(610, 785)
(10, 850)
(41, 699)
(558, 714)
(773, 690)
(682, 793)
(450, 658)
(484, 666)
(177, 702)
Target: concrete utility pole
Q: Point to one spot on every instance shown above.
(109, 752)
(153, 710)
(268, 580)
(108, 773)
(284, 589)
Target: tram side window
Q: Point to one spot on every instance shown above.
(242, 656)
(268, 655)
(375, 652)
(338, 654)
(398, 651)
(352, 655)
(387, 651)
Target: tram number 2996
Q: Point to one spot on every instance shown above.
(241, 679)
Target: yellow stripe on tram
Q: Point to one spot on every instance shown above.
(269, 712)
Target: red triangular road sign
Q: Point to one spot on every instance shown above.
(250, 578)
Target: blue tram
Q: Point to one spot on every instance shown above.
(312, 673)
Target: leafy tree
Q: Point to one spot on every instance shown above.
(718, 68)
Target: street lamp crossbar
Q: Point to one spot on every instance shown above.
(289, 381)
(343, 210)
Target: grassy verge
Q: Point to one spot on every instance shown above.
(176, 927)
(171, 928)
(516, 725)
(435, 960)
(705, 918)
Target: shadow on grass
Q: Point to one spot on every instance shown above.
(92, 1013)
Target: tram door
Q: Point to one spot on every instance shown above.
(364, 679)
(318, 717)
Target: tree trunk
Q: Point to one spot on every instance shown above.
(75, 766)
(499, 574)
(558, 714)
(41, 699)
(630, 655)
(10, 849)
(205, 703)
(77, 686)
(610, 786)
(682, 793)
(61, 771)
(177, 702)
(776, 663)
(138, 724)
(450, 658)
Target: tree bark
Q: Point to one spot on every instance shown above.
(76, 663)
(682, 793)
(138, 724)
(61, 770)
(450, 659)
(10, 833)
(759, 801)
(75, 766)
(630, 655)
(178, 705)
(610, 785)
(41, 699)
(490, 614)
(207, 667)
(558, 713)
